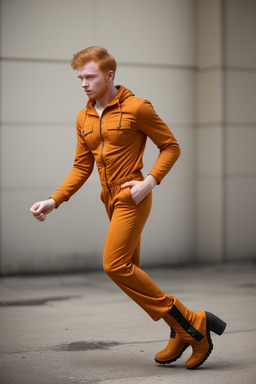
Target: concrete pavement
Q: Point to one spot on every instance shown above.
(80, 328)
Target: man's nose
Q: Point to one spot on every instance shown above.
(84, 83)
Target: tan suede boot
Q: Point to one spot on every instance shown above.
(172, 351)
(194, 328)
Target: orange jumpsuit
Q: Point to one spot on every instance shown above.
(116, 142)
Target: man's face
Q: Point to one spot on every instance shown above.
(94, 82)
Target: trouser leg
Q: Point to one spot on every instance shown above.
(136, 255)
(121, 255)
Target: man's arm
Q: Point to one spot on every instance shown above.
(82, 168)
(152, 126)
(156, 129)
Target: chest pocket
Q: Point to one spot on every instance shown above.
(121, 134)
(90, 138)
(87, 129)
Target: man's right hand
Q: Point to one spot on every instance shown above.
(42, 208)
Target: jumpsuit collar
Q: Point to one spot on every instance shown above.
(123, 93)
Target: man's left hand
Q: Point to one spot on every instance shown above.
(140, 189)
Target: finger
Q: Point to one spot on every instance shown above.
(128, 184)
(34, 208)
(37, 214)
(41, 217)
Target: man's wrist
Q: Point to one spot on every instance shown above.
(54, 202)
(150, 182)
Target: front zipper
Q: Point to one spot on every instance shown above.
(103, 161)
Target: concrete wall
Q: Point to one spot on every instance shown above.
(226, 122)
(189, 58)
(240, 117)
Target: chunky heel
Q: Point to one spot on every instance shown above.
(215, 324)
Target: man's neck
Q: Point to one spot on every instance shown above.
(101, 103)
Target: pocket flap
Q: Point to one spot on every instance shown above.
(87, 129)
(120, 126)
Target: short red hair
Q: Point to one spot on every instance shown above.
(99, 55)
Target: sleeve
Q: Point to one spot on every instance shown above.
(152, 126)
(82, 169)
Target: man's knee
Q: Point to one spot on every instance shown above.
(114, 269)
(107, 268)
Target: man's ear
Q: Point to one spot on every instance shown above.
(110, 76)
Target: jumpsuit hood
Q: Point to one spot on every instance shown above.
(123, 93)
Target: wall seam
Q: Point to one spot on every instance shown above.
(120, 63)
(228, 124)
(226, 68)
(197, 5)
(1, 256)
(223, 43)
(136, 64)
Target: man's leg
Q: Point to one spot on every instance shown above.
(121, 254)
(136, 255)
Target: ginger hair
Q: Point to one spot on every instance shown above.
(99, 55)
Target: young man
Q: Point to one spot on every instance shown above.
(112, 130)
